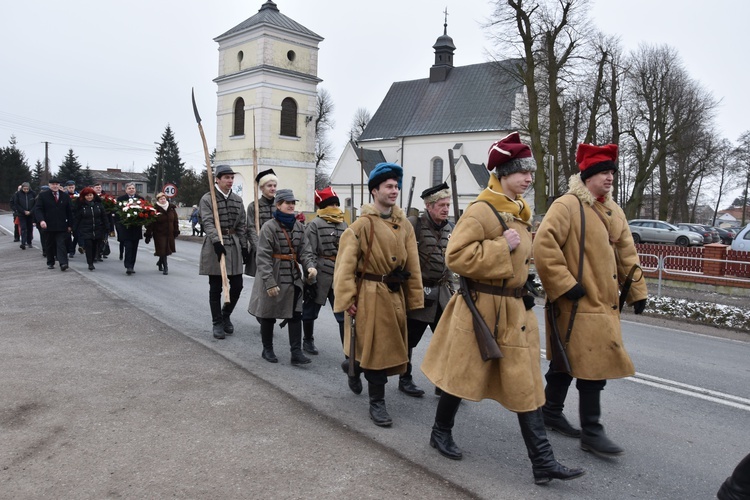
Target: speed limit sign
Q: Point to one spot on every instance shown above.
(170, 190)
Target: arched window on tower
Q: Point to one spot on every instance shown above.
(288, 117)
(437, 171)
(239, 117)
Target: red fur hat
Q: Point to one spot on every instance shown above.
(594, 159)
(509, 155)
(326, 197)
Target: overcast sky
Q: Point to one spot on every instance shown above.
(105, 78)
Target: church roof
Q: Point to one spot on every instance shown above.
(269, 15)
(478, 171)
(474, 98)
(370, 157)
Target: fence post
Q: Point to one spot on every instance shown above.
(718, 252)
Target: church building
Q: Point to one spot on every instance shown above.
(463, 109)
(267, 95)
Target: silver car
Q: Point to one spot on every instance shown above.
(657, 231)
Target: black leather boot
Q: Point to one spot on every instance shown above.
(295, 343)
(216, 318)
(407, 386)
(226, 312)
(308, 343)
(543, 462)
(737, 486)
(266, 335)
(165, 270)
(355, 383)
(442, 431)
(378, 413)
(159, 264)
(593, 437)
(553, 410)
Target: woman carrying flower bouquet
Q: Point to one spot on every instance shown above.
(128, 235)
(163, 230)
(91, 223)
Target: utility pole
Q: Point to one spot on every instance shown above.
(45, 176)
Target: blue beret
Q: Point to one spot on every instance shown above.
(384, 171)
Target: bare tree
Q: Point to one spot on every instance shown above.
(546, 34)
(359, 122)
(742, 159)
(323, 146)
(721, 170)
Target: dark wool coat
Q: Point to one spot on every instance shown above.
(266, 209)
(57, 215)
(164, 230)
(381, 333)
(91, 221)
(232, 220)
(128, 233)
(273, 271)
(437, 279)
(324, 241)
(479, 251)
(596, 350)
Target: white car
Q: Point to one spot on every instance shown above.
(742, 240)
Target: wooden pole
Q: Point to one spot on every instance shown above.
(212, 190)
(452, 167)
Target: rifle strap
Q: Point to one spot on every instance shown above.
(574, 310)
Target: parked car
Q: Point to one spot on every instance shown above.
(726, 235)
(714, 232)
(696, 228)
(656, 231)
(742, 240)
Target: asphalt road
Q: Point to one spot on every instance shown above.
(682, 419)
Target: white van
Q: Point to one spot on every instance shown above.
(742, 240)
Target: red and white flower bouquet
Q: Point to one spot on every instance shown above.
(136, 213)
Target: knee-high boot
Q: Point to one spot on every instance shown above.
(266, 335)
(737, 486)
(543, 462)
(442, 431)
(160, 264)
(226, 312)
(593, 437)
(555, 393)
(308, 344)
(164, 265)
(295, 343)
(378, 413)
(216, 318)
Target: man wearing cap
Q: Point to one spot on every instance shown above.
(490, 248)
(278, 285)
(588, 223)
(129, 237)
(267, 182)
(232, 246)
(377, 280)
(433, 231)
(22, 205)
(323, 233)
(54, 215)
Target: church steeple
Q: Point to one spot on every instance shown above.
(444, 49)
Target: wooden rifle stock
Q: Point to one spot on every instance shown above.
(559, 362)
(488, 347)
(352, 347)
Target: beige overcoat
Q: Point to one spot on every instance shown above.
(479, 251)
(596, 350)
(381, 314)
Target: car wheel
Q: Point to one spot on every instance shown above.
(636, 238)
(683, 241)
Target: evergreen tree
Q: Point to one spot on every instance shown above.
(192, 188)
(71, 169)
(36, 176)
(87, 179)
(168, 167)
(13, 170)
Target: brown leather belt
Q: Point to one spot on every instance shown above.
(284, 256)
(496, 290)
(380, 278)
(332, 258)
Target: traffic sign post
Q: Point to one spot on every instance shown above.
(170, 190)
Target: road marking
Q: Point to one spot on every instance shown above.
(688, 390)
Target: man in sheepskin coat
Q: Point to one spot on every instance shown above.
(595, 347)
